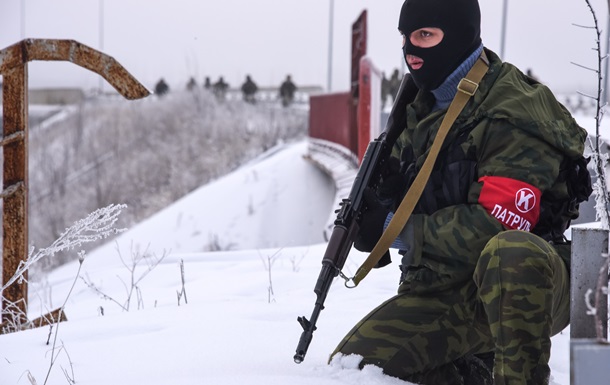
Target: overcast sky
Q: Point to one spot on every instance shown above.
(268, 39)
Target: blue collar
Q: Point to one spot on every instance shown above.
(445, 93)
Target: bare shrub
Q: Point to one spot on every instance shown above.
(139, 265)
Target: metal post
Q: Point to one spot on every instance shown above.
(588, 246)
(503, 32)
(589, 348)
(588, 362)
(330, 46)
(15, 182)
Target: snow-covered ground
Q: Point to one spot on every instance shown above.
(239, 325)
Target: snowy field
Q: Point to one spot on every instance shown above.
(236, 321)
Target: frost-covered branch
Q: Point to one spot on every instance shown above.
(182, 293)
(600, 160)
(105, 296)
(268, 265)
(137, 257)
(96, 226)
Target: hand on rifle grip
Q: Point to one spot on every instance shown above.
(372, 222)
(393, 185)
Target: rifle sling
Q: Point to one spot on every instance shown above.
(466, 88)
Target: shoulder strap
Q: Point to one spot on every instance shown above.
(466, 88)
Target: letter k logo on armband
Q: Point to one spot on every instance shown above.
(514, 203)
(525, 200)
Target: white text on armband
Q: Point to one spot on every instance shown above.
(511, 219)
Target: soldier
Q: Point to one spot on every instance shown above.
(161, 88)
(192, 84)
(220, 89)
(249, 89)
(485, 265)
(287, 90)
(385, 89)
(394, 83)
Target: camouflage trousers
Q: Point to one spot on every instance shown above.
(517, 299)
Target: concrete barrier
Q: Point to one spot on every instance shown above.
(589, 348)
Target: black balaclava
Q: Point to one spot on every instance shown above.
(460, 21)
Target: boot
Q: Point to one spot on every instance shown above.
(475, 370)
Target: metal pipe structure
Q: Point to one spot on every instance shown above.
(14, 71)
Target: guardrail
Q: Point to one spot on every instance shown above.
(340, 164)
(272, 94)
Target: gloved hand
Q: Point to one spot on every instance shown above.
(391, 190)
(372, 222)
(393, 185)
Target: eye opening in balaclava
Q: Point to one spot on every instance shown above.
(460, 20)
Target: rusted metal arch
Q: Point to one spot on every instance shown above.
(17, 55)
(13, 68)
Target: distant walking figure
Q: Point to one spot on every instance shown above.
(249, 89)
(394, 84)
(220, 89)
(161, 88)
(192, 84)
(385, 89)
(287, 90)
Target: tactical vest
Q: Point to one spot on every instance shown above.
(450, 179)
(455, 171)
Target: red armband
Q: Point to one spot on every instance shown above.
(514, 203)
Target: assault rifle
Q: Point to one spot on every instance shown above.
(346, 224)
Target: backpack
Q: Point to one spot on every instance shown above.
(556, 213)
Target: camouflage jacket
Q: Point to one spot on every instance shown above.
(502, 155)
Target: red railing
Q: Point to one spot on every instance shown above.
(345, 119)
